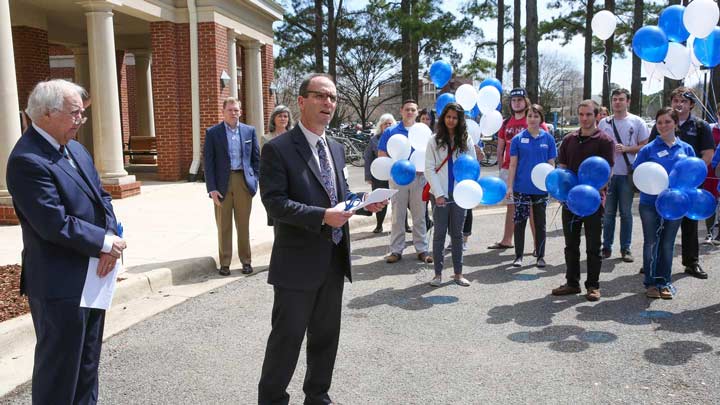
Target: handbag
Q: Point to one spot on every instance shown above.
(625, 156)
(426, 189)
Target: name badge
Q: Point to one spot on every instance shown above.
(662, 153)
(525, 140)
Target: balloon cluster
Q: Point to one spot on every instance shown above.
(580, 192)
(486, 190)
(403, 163)
(677, 194)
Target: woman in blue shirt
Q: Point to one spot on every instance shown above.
(528, 149)
(658, 233)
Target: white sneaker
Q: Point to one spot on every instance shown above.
(462, 282)
(708, 240)
(436, 281)
(464, 246)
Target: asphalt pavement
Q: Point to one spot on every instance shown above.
(503, 340)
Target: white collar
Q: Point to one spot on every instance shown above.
(55, 144)
(312, 138)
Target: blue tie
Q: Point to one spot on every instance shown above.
(63, 151)
(329, 185)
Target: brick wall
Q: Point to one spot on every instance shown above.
(131, 80)
(8, 216)
(268, 75)
(213, 52)
(32, 61)
(171, 98)
(67, 73)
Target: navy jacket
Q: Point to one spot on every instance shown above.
(64, 214)
(217, 158)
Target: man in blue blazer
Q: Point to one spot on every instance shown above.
(66, 218)
(232, 160)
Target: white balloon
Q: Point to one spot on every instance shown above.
(539, 173)
(488, 99)
(467, 194)
(690, 46)
(651, 178)
(380, 168)
(652, 72)
(700, 17)
(418, 136)
(466, 96)
(491, 122)
(677, 62)
(398, 147)
(603, 24)
(474, 130)
(418, 159)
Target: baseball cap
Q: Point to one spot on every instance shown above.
(518, 92)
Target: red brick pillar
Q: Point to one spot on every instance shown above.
(171, 98)
(268, 75)
(213, 52)
(32, 61)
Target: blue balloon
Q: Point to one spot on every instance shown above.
(494, 189)
(466, 168)
(707, 49)
(442, 101)
(671, 22)
(559, 182)
(473, 113)
(583, 200)
(440, 73)
(403, 172)
(594, 171)
(650, 44)
(702, 204)
(688, 173)
(672, 204)
(499, 107)
(491, 81)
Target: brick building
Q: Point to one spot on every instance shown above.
(157, 72)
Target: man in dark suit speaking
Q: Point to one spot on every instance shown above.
(66, 218)
(301, 183)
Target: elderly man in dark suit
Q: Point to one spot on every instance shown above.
(232, 157)
(301, 184)
(66, 218)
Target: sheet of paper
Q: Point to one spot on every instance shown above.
(98, 292)
(376, 196)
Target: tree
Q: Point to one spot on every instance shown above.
(517, 43)
(587, 71)
(668, 84)
(556, 81)
(531, 51)
(500, 60)
(607, 69)
(478, 64)
(636, 83)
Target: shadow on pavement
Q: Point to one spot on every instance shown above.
(676, 353)
(410, 299)
(564, 338)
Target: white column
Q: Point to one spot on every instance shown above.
(232, 62)
(144, 101)
(82, 77)
(10, 129)
(253, 107)
(107, 129)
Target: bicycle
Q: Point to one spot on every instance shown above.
(490, 149)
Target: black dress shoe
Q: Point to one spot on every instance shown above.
(378, 229)
(224, 270)
(247, 269)
(696, 271)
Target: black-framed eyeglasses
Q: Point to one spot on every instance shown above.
(320, 96)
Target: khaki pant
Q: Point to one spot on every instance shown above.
(239, 200)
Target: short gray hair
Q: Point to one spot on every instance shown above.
(381, 120)
(277, 111)
(50, 95)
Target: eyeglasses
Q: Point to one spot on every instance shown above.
(320, 96)
(77, 115)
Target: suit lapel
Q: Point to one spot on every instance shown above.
(304, 149)
(338, 160)
(223, 140)
(65, 165)
(74, 152)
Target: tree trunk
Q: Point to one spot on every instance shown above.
(517, 45)
(500, 61)
(414, 77)
(319, 65)
(587, 79)
(406, 59)
(333, 22)
(636, 84)
(531, 50)
(607, 72)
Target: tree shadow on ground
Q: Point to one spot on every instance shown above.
(564, 338)
(676, 353)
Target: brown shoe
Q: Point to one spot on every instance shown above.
(666, 293)
(593, 294)
(565, 290)
(606, 253)
(393, 258)
(652, 292)
(425, 257)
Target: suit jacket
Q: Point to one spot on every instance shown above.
(292, 191)
(217, 158)
(64, 214)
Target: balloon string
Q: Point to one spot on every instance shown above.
(606, 67)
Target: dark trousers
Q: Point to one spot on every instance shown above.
(537, 210)
(67, 352)
(294, 313)
(690, 245)
(572, 225)
(380, 215)
(467, 226)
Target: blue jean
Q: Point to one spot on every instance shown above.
(659, 235)
(619, 196)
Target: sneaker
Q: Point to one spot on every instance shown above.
(393, 258)
(462, 281)
(627, 257)
(540, 264)
(464, 246)
(593, 294)
(517, 262)
(606, 253)
(566, 290)
(652, 292)
(708, 240)
(436, 281)
(666, 293)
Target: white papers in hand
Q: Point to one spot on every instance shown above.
(376, 196)
(98, 292)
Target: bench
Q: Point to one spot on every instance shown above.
(142, 150)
